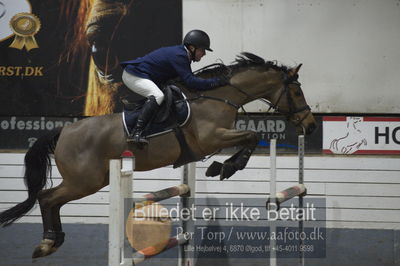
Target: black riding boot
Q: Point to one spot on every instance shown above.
(148, 110)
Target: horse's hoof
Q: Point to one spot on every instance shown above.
(45, 248)
(227, 171)
(214, 169)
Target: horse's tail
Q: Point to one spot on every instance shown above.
(37, 167)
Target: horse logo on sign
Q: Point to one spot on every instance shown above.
(353, 139)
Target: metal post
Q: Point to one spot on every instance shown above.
(301, 159)
(272, 195)
(301, 181)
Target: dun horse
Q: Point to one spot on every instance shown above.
(82, 150)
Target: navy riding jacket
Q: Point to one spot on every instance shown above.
(168, 63)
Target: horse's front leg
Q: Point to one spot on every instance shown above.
(230, 138)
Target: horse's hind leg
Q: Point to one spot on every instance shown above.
(46, 247)
(50, 202)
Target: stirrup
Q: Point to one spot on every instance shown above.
(137, 138)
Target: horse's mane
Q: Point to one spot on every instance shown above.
(244, 60)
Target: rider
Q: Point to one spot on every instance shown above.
(145, 75)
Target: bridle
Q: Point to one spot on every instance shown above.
(293, 110)
(284, 92)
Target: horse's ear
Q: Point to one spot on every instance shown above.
(295, 70)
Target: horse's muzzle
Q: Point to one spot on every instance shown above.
(311, 128)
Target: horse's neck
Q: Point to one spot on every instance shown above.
(258, 84)
(228, 93)
(245, 87)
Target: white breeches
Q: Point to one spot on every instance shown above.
(142, 86)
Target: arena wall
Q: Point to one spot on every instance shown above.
(349, 49)
(361, 194)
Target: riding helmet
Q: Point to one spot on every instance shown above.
(198, 39)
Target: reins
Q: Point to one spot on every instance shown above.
(202, 96)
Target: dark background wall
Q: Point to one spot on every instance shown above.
(58, 84)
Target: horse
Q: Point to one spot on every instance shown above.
(83, 149)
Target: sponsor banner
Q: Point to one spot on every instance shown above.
(61, 58)
(361, 135)
(277, 127)
(19, 133)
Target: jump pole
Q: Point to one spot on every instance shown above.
(188, 177)
(163, 194)
(280, 197)
(121, 184)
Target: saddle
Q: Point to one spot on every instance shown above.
(174, 112)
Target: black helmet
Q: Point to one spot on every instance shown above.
(198, 39)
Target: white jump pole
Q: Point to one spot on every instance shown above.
(121, 176)
(189, 178)
(272, 193)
